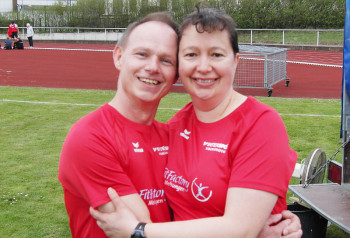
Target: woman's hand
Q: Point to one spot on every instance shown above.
(119, 223)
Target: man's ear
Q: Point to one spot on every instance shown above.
(117, 54)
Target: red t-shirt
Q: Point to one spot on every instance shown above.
(104, 149)
(12, 28)
(249, 148)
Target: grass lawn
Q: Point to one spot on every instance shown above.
(35, 121)
(292, 37)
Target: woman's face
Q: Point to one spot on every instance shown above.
(207, 64)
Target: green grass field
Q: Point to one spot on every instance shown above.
(35, 121)
(292, 37)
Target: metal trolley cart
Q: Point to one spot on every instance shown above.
(331, 200)
(261, 67)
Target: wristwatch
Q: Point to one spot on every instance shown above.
(139, 231)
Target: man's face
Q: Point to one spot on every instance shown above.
(148, 62)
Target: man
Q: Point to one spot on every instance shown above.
(120, 145)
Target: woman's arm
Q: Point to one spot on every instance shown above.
(246, 211)
(245, 214)
(134, 203)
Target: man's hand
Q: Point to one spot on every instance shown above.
(286, 224)
(293, 230)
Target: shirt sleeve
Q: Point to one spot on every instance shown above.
(91, 162)
(264, 160)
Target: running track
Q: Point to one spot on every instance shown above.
(313, 74)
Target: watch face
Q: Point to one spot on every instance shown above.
(137, 234)
(139, 231)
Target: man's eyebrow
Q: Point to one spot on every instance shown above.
(170, 55)
(147, 50)
(142, 48)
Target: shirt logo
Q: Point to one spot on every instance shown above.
(163, 150)
(136, 147)
(185, 134)
(199, 193)
(153, 196)
(217, 147)
(177, 182)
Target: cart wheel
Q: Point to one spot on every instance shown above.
(269, 92)
(287, 82)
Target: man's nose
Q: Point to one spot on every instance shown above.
(152, 65)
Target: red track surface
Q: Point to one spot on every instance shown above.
(39, 67)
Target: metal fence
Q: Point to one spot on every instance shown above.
(315, 37)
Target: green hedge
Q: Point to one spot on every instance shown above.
(261, 14)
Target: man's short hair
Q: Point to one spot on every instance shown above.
(157, 16)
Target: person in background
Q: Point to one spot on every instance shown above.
(18, 44)
(30, 34)
(224, 148)
(12, 31)
(8, 44)
(9, 31)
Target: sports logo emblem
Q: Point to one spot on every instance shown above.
(136, 147)
(198, 191)
(185, 134)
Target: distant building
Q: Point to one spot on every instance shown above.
(7, 5)
(12, 5)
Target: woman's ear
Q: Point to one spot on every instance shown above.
(237, 58)
(117, 54)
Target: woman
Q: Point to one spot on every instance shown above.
(229, 158)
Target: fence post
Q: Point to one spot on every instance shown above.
(318, 38)
(251, 37)
(283, 37)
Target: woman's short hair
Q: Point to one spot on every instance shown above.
(209, 20)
